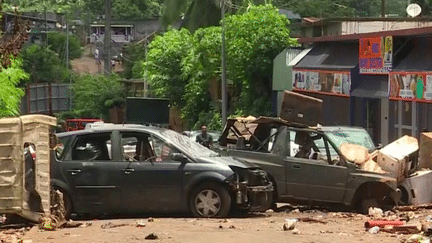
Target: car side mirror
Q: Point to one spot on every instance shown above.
(179, 157)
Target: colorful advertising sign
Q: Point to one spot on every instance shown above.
(411, 85)
(335, 82)
(375, 54)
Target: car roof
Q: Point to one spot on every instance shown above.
(108, 127)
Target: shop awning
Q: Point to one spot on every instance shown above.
(331, 56)
(420, 57)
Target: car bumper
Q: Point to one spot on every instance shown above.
(254, 198)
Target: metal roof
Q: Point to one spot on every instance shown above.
(340, 56)
(353, 37)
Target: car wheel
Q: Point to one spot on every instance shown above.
(210, 200)
(366, 203)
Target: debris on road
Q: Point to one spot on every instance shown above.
(232, 227)
(375, 212)
(151, 236)
(311, 220)
(290, 224)
(402, 229)
(151, 219)
(374, 230)
(417, 239)
(140, 223)
(382, 223)
(110, 225)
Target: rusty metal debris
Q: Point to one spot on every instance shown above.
(311, 220)
(110, 225)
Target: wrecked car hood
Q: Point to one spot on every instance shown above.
(228, 161)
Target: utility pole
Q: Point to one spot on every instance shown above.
(383, 8)
(67, 62)
(224, 82)
(107, 39)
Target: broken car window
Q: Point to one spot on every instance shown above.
(92, 147)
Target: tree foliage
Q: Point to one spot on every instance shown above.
(10, 94)
(163, 68)
(254, 39)
(57, 43)
(125, 9)
(43, 64)
(95, 95)
(201, 66)
(182, 66)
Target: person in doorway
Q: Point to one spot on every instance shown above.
(204, 138)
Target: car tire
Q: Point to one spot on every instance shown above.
(210, 200)
(366, 203)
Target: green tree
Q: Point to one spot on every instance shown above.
(200, 66)
(125, 9)
(181, 67)
(43, 64)
(95, 95)
(163, 68)
(253, 41)
(57, 43)
(10, 94)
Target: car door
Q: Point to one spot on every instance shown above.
(318, 178)
(91, 173)
(152, 181)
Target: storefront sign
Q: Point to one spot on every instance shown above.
(375, 54)
(335, 82)
(411, 85)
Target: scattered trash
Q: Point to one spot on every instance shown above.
(220, 227)
(232, 227)
(110, 225)
(269, 211)
(87, 224)
(224, 221)
(271, 221)
(290, 224)
(295, 211)
(402, 229)
(375, 212)
(3, 219)
(427, 228)
(48, 224)
(417, 239)
(151, 219)
(312, 220)
(151, 236)
(295, 231)
(374, 230)
(140, 223)
(381, 223)
(72, 224)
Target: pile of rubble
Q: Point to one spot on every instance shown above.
(403, 159)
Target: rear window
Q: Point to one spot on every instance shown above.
(59, 148)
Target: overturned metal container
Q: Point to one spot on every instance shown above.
(25, 165)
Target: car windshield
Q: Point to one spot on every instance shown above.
(352, 136)
(186, 144)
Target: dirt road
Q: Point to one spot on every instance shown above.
(267, 227)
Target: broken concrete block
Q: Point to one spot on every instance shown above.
(354, 152)
(425, 153)
(393, 158)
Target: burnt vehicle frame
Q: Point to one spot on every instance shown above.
(175, 174)
(327, 178)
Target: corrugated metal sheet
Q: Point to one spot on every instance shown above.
(340, 56)
(419, 59)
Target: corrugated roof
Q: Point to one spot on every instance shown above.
(337, 55)
(420, 58)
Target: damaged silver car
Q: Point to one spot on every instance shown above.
(139, 169)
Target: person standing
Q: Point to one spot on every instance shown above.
(204, 138)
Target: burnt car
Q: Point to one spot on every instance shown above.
(305, 165)
(109, 168)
